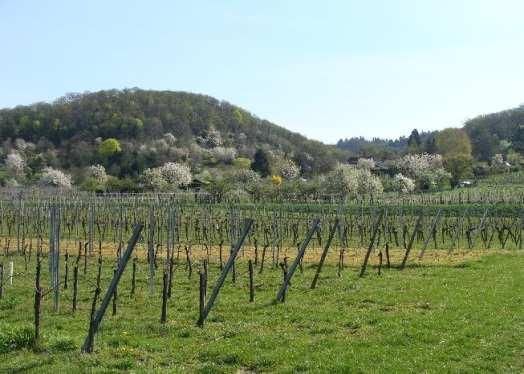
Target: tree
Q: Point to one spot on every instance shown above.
(98, 173)
(15, 164)
(431, 145)
(452, 142)
(55, 178)
(518, 139)
(176, 174)
(289, 170)
(414, 141)
(485, 144)
(109, 147)
(460, 167)
(260, 163)
(403, 184)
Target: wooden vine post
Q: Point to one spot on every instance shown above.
(324, 252)
(411, 241)
(371, 243)
(227, 267)
(98, 315)
(302, 249)
(431, 230)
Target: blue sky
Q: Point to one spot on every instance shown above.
(327, 69)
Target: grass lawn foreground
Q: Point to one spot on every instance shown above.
(462, 317)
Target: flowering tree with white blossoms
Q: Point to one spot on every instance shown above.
(289, 170)
(342, 181)
(426, 169)
(403, 184)
(223, 154)
(55, 178)
(153, 179)
(368, 184)
(97, 172)
(347, 180)
(415, 165)
(176, 174)
(15, 164)
(248, 177)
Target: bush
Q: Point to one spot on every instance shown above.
(242, 163)
(92, 185)
(115, 184)
(238, 196)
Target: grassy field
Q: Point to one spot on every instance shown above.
(438, 316)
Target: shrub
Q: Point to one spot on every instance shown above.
(242, 163)
(237, 195)
(276, 180)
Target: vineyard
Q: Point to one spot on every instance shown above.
(185, 282)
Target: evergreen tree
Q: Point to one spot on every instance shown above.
(260, 163)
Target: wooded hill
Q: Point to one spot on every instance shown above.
(67, 132)
(490, 134)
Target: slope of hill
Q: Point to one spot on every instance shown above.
(152, 127)
(494, 133)
(490, 134)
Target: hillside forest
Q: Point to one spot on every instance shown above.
(137, 140)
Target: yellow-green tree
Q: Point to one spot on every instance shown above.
(453, 142)
(455, 147)
(109, 147)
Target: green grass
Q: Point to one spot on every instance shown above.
(466, 317)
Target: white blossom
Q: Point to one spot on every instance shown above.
(368, 184)
(15, 164)
(153, 179)
(223, 154)
(403, 184)
(289, 170)
(212, 138)
(97, 172)
(55, 178)
(248, 178)
(342, 181)
(415, 165)
(347, 180)
(176, 174)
